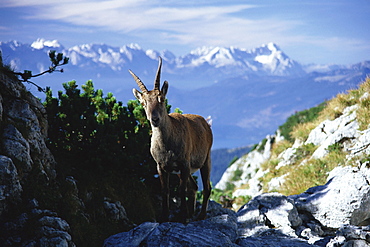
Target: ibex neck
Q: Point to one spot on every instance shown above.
(164, 129)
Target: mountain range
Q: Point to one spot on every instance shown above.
(248, 93)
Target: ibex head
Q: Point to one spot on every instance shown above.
(154, 100)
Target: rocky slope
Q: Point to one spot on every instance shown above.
(330, 215)
(342, 136)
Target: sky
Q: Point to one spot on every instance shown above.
(308, 31)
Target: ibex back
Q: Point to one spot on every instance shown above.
(180, 143)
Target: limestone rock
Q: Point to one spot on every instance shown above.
(265, 211)
(336, 203)
(10, 187)
(273, 238)
(26, 164)
(249, 166)
(115, 210)
(169, 234)
(54, 232)
(220, 229)
(24, 132)
(17, 148)
(361, 145)
(44, 228)
(132, 238)
(330, 132)
(351, 236)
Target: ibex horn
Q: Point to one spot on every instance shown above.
(139, 82)
(157, 81)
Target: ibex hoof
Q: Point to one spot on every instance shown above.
(201, 217)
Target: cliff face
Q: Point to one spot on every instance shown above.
(27, 172)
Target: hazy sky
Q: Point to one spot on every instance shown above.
(309, 31)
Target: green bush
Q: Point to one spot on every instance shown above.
(298, 118)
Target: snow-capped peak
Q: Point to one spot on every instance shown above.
(40, 43)
(134, 46)
(274, 60)
(152, 54)
(272, 46)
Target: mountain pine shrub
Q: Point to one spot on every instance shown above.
(301, 117)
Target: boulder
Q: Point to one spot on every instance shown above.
(349, 235)
(336, 203)
(37, 227)
(114, 210)
(271, 210)
(219, 229)
(330, 132)
(53, 231)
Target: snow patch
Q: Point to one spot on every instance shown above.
(41, 43)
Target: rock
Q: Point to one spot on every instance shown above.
(132, 238)
(219, 219)
(288, 156)
(54, 222)
(170, 234)
(219, 229)
(249, 165)
(10, 187)
(272, 238)
(54, 232)
(177, 234)
(115, 210)
(275, 183)
(269, 219)
(330, 132)
(42, 228)
(351, 236)
(1, 106)
(361, 145)
(336, 203)
(265, 211)
(17, 148)
(25, 129)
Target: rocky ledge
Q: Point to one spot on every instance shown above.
(334, 214)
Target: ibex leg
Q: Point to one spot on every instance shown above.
(164, 178)
(185, 173)
(191, 192)
(205, 172)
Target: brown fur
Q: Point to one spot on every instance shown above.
(180, 143)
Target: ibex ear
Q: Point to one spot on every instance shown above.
(164, 88)
(137, 94)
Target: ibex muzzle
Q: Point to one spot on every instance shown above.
(180, 142)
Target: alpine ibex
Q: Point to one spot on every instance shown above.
(179, 143)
